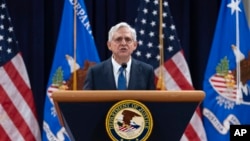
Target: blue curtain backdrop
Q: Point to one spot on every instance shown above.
(37, 24)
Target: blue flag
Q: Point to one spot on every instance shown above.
(64, 63)
(226, 81)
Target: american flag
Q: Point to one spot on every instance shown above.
(18, 120)
(175, 72)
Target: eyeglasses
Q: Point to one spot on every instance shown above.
(120, 40)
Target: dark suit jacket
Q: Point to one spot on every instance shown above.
(101, 76)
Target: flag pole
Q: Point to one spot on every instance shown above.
(75, 36)
(238, 71)
(160, 83)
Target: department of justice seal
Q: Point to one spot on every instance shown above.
(129, 120)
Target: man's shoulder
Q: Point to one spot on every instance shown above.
(141, 63)
(101, 64)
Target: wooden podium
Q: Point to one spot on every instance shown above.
(83, 112)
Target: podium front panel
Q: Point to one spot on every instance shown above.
(86, 121)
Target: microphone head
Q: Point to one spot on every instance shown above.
(124, 65)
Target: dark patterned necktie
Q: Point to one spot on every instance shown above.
(121, 80)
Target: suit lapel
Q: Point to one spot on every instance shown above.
(109, 75)
(134, 73)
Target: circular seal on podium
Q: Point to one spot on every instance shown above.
(129, 120)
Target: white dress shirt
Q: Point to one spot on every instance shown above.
(116, 71)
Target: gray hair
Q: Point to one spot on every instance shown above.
(118, 26)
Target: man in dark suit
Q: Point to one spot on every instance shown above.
(105, 75)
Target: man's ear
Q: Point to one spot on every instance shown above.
(135, 44)
(109, 45)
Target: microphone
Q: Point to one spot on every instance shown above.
(124, 65)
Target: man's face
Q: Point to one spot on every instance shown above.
(122, 45)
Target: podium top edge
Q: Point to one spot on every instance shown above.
(140, 95)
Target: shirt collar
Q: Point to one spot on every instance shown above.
(116, 66)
